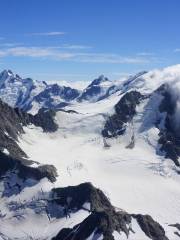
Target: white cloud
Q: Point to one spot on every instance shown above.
(74, 84)
(56, 53)
(76, 47)
(145, 54)
(35, 52)
(174, 89)
(109, 58)
(81, 85)
(8, 44)
(71, 47)
(46, 34)
(61, 78)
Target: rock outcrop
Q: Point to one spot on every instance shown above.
(125, 109)
(11, 126)
(12, 158)
(103, 218)
(169, 138)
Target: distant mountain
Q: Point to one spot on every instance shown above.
(31, 95)
(102, 87)
(15, 167)
(97, 90)
(18, 92)
(54, 97)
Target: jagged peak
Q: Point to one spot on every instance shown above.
(7, 76)
(103, 78)
(131, 78)
(140, 73)
(99, 80)
(6, 73)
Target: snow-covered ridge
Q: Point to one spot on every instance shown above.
(28, 93)
(31, 95)
(18, 92)
(155, 78)
(130, 167)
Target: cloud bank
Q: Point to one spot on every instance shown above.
(46, 34)
(64, 53)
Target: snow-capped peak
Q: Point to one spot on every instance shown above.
(26, 93)
(97, 89)
(16, 91)
(149, 81)
(99, 80)
(4, 75)
(7, 73)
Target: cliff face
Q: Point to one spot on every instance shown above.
(125, 110)
(13, 160)
(103, 219)
(12, 122)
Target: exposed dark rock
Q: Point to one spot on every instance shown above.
(11, 146)
(102, 223)
(150, 227)
(169, 146)
(48, 171)
(125, 109)
(68, 111)
(105, 223)
(15, 160)
(24, 171)
(46, 98)
(169, 138)
(64, 234)
(11, 126)
(9, 120)
(31, 92)
(17, 174)
(132, 143)
(81, 194)
(106, 145)
(177, 234)
(90, 93)
(176, 225)
(45, 120)
(103, 218)
(96, 92)
(21, 99)
(66, 93)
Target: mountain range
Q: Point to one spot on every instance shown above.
(91, 164)
(31, 95)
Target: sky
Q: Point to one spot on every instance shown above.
(77, 40)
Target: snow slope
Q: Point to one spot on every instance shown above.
(31, 95)
(17, 91)
(137, 180)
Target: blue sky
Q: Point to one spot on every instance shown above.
(81, 39)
